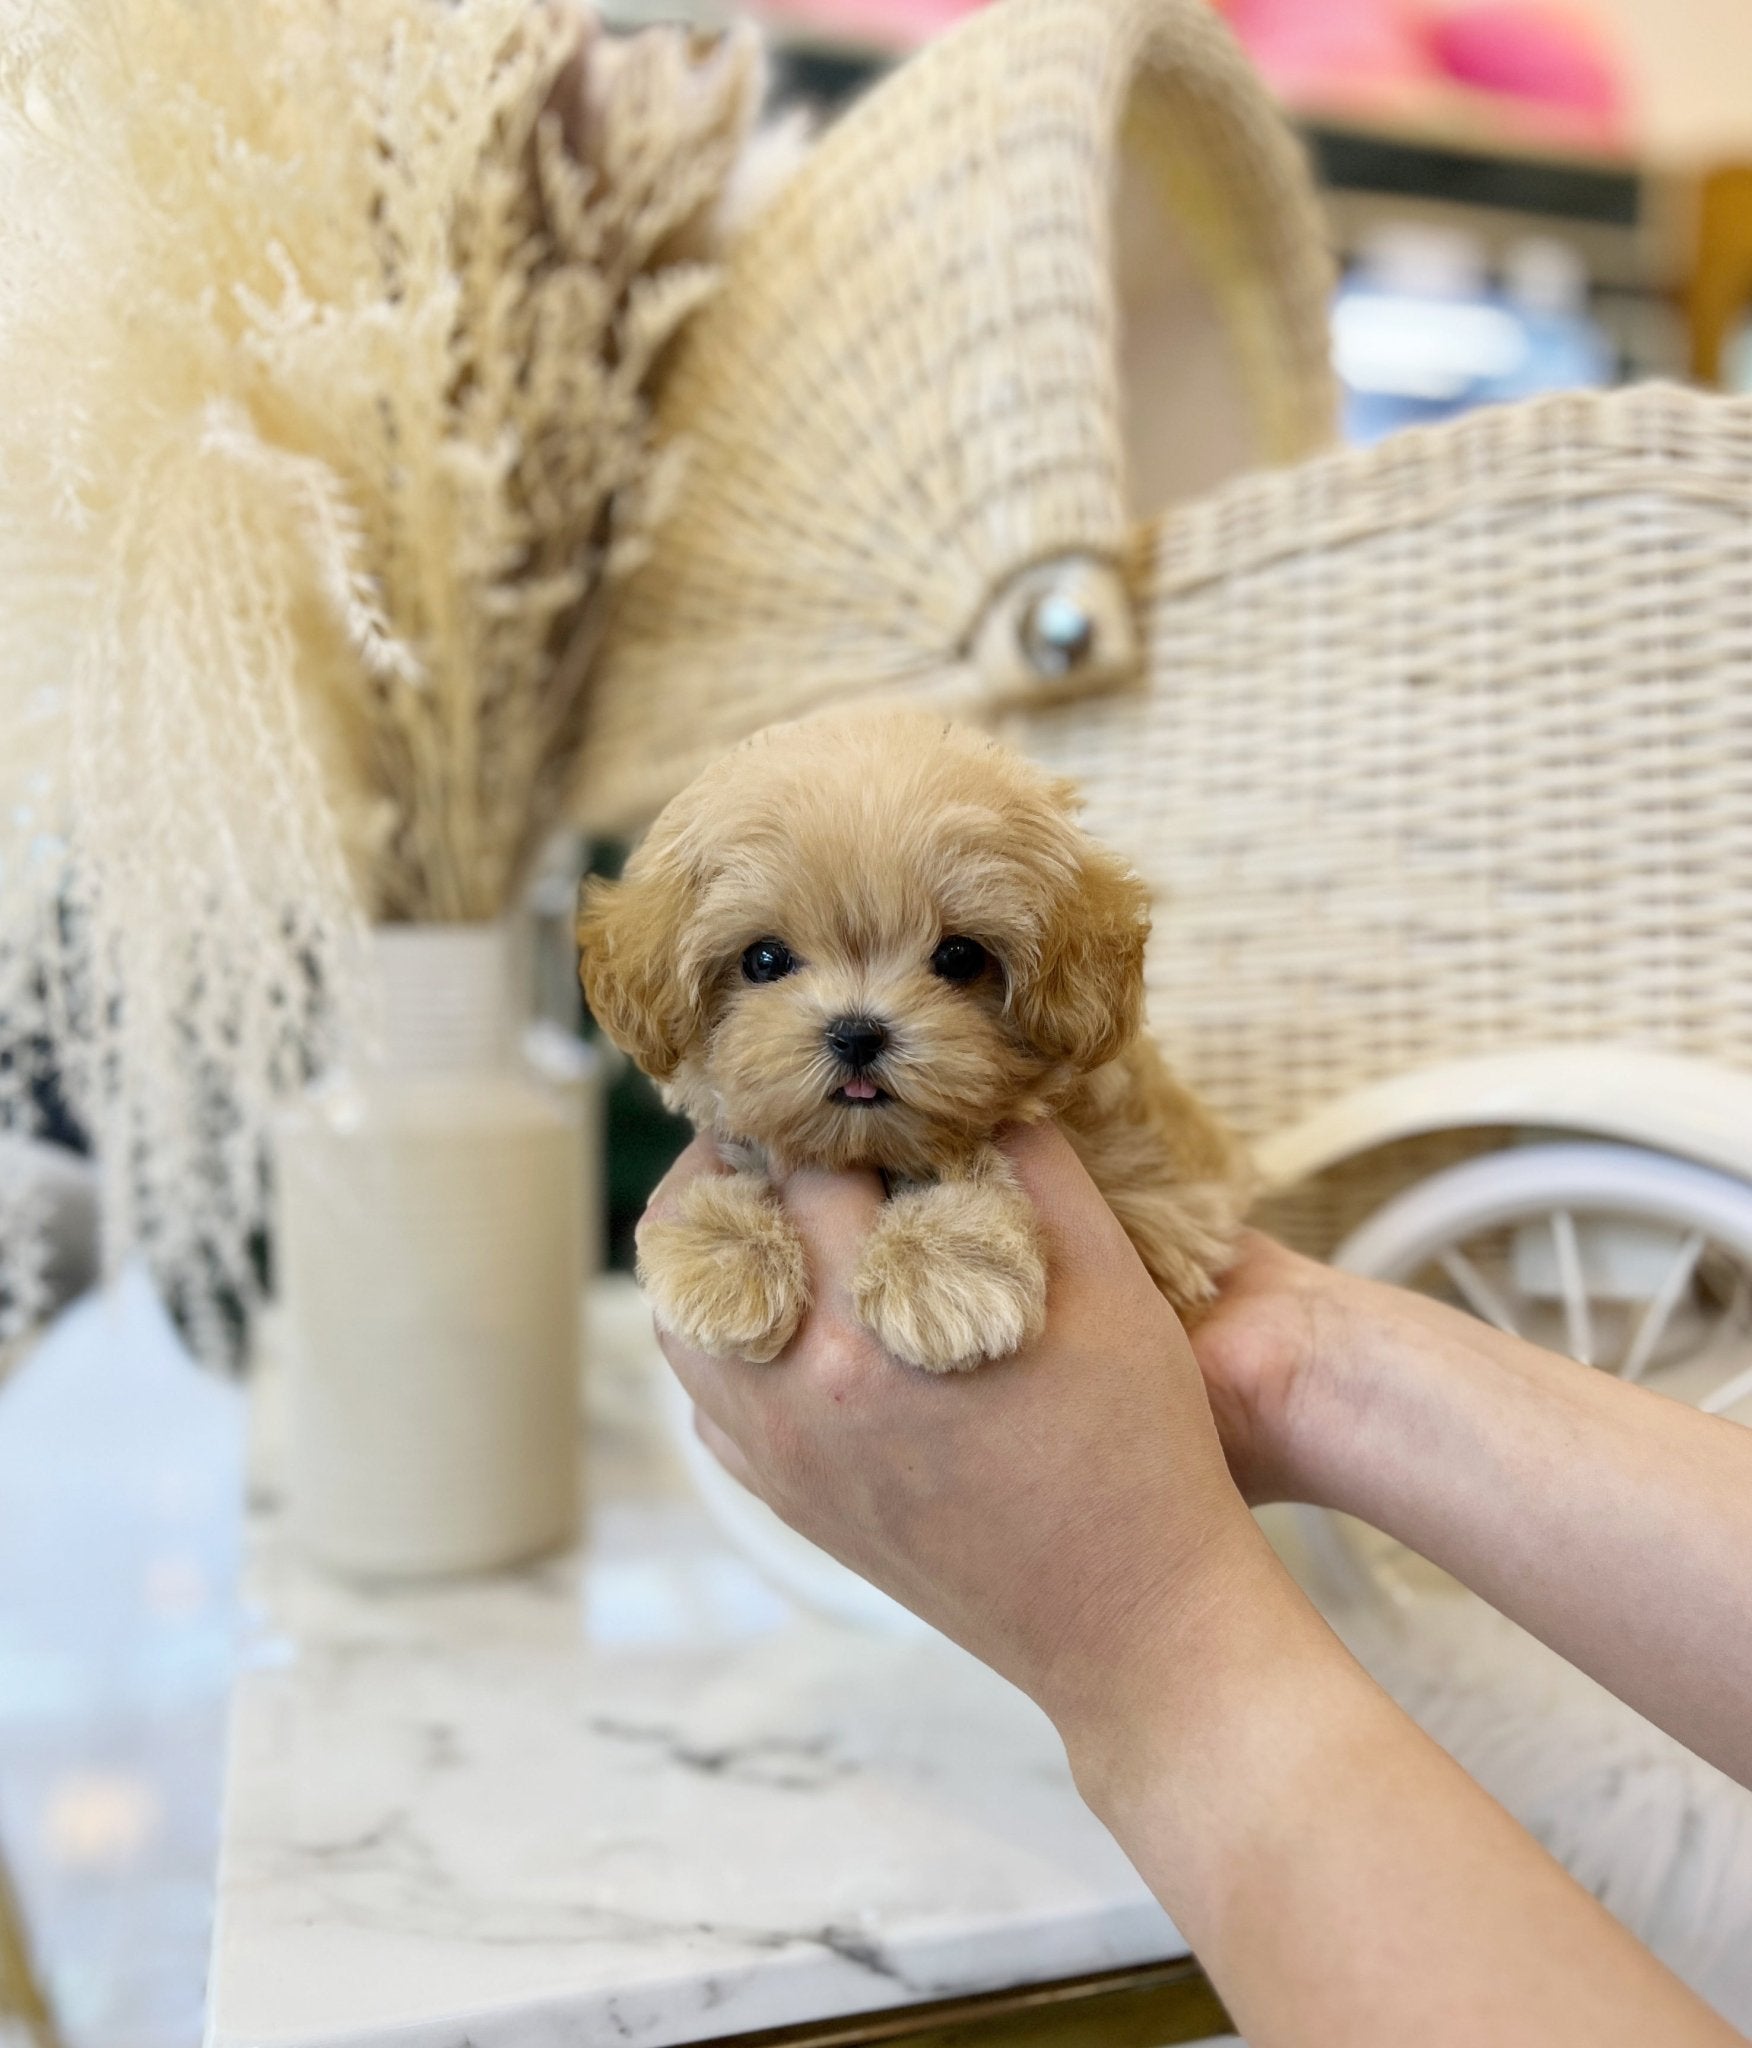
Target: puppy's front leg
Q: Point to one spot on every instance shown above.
(952, 1272)
(726, 1271)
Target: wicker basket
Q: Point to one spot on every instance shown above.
(1447, 750)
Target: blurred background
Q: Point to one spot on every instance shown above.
(1574, 164)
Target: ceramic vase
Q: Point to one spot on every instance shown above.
(433, 1215)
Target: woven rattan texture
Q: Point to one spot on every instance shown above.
(904, 394)
(1446, 748)
(1318, 1213)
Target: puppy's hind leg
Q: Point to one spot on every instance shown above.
(1185, 1234)
(1177, 1179)
(726, 1271)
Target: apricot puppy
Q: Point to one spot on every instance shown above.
(870, 940)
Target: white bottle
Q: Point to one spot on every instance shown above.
(431, 1249)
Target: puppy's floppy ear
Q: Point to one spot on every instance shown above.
(640, 981)
(1081, 999)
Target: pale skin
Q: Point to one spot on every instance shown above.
(1076, 1517)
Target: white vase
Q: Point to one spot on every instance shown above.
(432, 1225)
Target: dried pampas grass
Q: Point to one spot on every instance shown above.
(329, 335)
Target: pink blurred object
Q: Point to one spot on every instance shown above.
(1333, 49)
(876, 21)
(1551, 56)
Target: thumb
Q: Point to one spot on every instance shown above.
(1080, 1229)
(834, 1213)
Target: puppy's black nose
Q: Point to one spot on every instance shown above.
(857, 1040)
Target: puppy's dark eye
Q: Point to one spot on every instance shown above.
(767, 960)
(959, 959)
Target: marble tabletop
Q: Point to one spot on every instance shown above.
(630, 1795)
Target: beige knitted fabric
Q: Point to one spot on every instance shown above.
(906, 395)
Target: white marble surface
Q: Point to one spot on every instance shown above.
(121, 1476)
(629, 1796)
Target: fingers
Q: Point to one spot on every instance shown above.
(833, 1213)
(702, 1156)
(724, 1448)
(714, 1385)
(1077, 1221)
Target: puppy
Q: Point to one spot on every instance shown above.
(870, 940)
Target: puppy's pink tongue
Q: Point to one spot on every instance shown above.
(860, 1091)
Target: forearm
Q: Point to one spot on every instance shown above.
(1613, 1523)
(1340, 1878)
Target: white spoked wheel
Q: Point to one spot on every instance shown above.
(1633, 1262)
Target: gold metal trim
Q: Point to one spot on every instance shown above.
(1159, 2006)
(23, 2007)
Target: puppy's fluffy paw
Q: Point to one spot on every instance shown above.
(727, 1271)
(952, 1275)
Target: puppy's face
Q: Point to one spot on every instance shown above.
(867, 941)
(865, 1023)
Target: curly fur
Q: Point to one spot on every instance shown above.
(861, 841)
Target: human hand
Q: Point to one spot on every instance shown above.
(1274, 1335)
(1298, 1358)
(1049, 1510)
(1066, 1514)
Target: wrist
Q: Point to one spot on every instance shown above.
(1375, 1358)
(1194, 1645)
(1291, 1353)
(1197, 1772)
